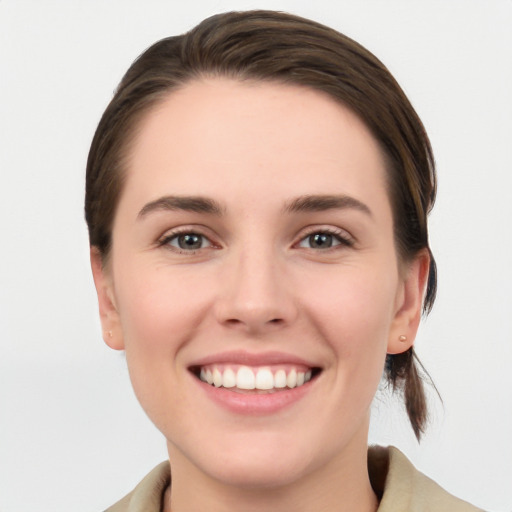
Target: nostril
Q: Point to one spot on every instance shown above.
(237, 323)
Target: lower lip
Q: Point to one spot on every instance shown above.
(255, 404)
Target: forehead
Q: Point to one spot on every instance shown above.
(253, 137)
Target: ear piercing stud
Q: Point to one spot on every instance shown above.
(109, 333)
(402, 338)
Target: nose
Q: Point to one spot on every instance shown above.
(255, 293)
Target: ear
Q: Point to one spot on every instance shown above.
(409, 304)
(109, 316)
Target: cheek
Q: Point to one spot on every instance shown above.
(159, 312)
(158, 307)
(354, 306)
(354, 314)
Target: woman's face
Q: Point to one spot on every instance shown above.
(253, 245)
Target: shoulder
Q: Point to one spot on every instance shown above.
(147, 496)
(405, 489)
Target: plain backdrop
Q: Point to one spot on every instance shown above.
(72, 436)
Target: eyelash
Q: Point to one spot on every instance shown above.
(339, 235)
(165, 241)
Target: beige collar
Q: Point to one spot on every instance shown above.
(398, 485)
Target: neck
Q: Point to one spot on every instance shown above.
(340, 485)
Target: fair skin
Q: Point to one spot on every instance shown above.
(256, 273)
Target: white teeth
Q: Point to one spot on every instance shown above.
(247, 378)
(291, 380)
(264, 379)
(280, 379)
(229, 378)
(217, 378)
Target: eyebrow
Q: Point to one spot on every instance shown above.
(302, 204)
(320, 203)
(186, 203)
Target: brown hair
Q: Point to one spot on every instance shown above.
(273, 46)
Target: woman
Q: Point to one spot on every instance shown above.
(256, 197)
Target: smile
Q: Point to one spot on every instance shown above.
(244, 379)
(255, 384)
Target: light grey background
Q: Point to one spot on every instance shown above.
(72, 436)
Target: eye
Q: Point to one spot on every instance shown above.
(186, 241)
(322, 240)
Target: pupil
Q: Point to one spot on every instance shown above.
(189, 242)
(320, 240)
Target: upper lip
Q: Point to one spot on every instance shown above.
(243, 357)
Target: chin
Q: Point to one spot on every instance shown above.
(260, 474)
(256, 460)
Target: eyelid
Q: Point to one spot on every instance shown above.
(342, 235)
(163, 240)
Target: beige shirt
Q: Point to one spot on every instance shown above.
(399, 486)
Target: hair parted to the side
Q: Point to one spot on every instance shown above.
(274, 46)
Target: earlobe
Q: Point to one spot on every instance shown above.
(109, 316)
(410, 305)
